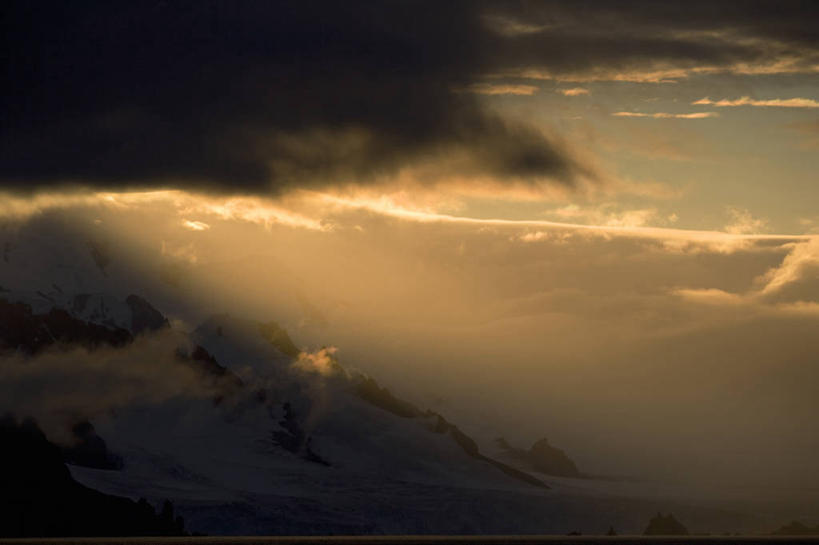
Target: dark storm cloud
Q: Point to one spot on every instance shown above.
(240, 95)
(254, 96)
(589, 33)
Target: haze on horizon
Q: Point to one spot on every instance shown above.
(590, 221)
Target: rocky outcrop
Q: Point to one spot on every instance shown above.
(278, 337)
(796, 528)
(292, 438)
(212, 372)
(144, 317)
(660, 525)
(24, 332)
(370, 391)
(550, 460)
(542, 457)
(470, 447)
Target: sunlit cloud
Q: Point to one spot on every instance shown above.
(509, 27)
(16, 207)
(767, 103)
(559, 237)
(711, 296)
(665, 115)
(321, 361)
(258, 211)
(743, 223)
(500, 89)
(628, 224)
(606, 215)
(195, 225)
(325, 211)
(250, 209)
(668, 73)
(320, 211)
(574, 91)
(792, 286)
(801, 263)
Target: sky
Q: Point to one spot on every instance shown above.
(593, 221)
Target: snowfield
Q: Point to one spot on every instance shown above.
(270, 439)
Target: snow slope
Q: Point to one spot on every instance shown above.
(280, 441)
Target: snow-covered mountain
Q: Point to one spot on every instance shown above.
(246, 433)
(285, 425)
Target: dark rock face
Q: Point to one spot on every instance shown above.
(665, 526)
(369, 390)
(28, 333)
(292, 437)
(470, 447)
(224, 382)
(144, 317)
(90, 449)
(543, 457)
(39, 498)
(551, 460)
(278, 337)
(210, 368)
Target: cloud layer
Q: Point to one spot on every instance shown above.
(666, 115)
(254, 98)
(770, 102)
(249, 97)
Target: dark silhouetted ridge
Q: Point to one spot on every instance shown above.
(665, 526)
(542, 457)
(279, 338)
(23, 331)
(144, 317)
(796, 528)
(220, 378)
(370, 391)
(471, 448)
(39, 498)
(89, 449)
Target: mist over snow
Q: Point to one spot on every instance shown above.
(653, 355)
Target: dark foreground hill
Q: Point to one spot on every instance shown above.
(39, 498)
